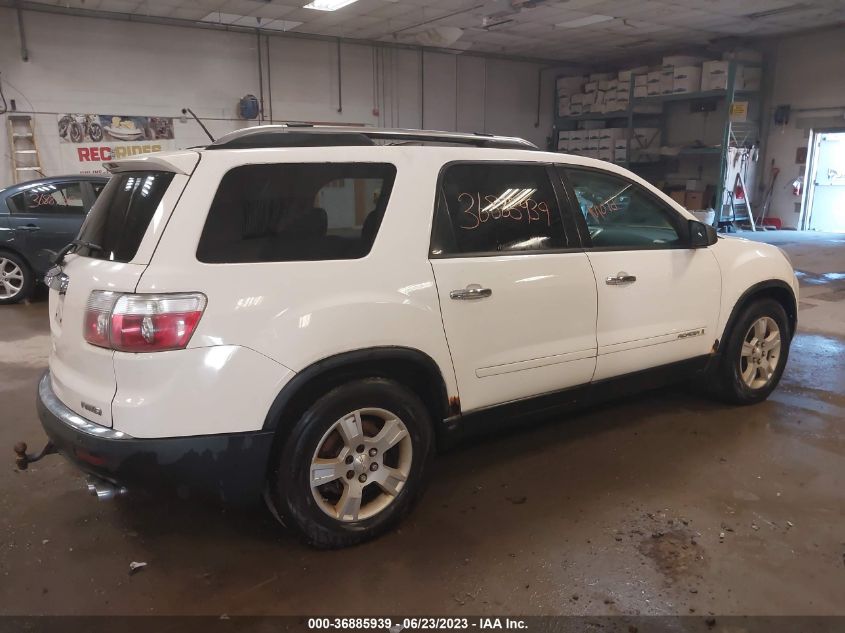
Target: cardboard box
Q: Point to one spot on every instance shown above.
(714, 76)
(686, 79)
(606, 154)
(563, 106)
(679, 196)
(601, 76)
(591, 87)
(620, 155)
(641, 80)
(667, 81)
(640, 92)
(567, 86)
(694, 200)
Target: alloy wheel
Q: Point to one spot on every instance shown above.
(361, 464)
(760, 353)
(11, 278)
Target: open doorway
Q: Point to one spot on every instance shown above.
(825, 203)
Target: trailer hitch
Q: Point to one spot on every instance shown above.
(23, 460)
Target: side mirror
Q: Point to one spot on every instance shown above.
(701, 235)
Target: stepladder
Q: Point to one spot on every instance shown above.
(23, 148)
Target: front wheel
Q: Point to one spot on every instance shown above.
(354, 463)
(755, 354)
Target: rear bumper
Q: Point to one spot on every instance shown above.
(232, 467)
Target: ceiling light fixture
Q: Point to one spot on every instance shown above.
(328, 5)
(585, 21)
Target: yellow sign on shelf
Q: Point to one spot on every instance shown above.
(739, 111)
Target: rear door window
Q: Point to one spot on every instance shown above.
(49, 199)
(296, 212)
(501, 208)
(119, 218)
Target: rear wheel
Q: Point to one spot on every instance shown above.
(16, 278)
(755, 354)
(354, 464)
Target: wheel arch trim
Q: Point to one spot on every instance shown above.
(358, 360)
(750, 293)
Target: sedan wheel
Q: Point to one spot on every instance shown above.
(12, 279)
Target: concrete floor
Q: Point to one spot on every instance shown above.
(662, 504)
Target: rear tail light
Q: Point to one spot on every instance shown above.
(142, 323)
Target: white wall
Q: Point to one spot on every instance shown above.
(808, 73)
(93, 65)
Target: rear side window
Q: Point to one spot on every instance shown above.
(496, 208)
(296, 212)
(120, 216)
(49, 199)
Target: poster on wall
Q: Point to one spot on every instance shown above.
(86, 141)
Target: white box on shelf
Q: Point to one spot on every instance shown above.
(569, 85)
(606, 154)
(591, 86)
(667, 81)
(563, 106)
(641, 91)
(641, 80)
(576, 99)
(686, 79)
(715, 76)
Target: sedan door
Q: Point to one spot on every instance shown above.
(46, 217)
(517, 295)
(658, 299)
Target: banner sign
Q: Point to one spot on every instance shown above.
(86, 141)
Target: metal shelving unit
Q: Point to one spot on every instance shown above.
(733, 134)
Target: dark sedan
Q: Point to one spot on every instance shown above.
(38, 218)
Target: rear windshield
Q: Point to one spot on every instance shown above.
(118, 220)
(296, 212)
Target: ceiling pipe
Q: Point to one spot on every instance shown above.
(260, 77)
(339, 78)
(269, 78)
(22, 33)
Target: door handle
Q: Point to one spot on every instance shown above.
(471, 292)
(29, 227)
(621, 279)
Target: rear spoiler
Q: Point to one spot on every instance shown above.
(174, 162)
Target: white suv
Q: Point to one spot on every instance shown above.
(309, 312)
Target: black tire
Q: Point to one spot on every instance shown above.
(289, 491)
(96, 132)
(728, 381)
(76, 134)
(28, 284)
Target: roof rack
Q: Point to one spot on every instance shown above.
(307, 135)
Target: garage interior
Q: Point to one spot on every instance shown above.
(661, 504)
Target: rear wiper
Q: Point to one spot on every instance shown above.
(60, 256)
